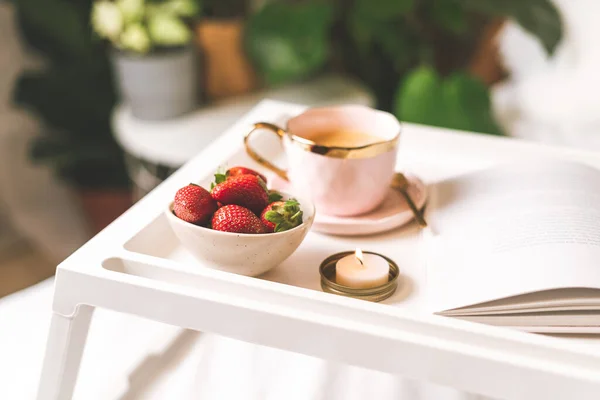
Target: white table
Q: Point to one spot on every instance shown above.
(444, 350)
(126, 357)
(157, 362)
(130, 358)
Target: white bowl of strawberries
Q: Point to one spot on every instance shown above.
(239, 226)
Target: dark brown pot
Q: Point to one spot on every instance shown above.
(226, 69)
(103, 206)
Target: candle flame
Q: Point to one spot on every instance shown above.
(359, 255)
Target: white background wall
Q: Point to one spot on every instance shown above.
(553, 99)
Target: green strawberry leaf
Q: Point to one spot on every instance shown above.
(220, 177)
(284, 226)
(291, 206)
(297, 216)
(274, 196)
(273, 216)
(285, 217)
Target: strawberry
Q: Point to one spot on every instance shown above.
(247, 191)
(235, 171)
(237, 219)
(281, 216)
(194, 204)
(231, 172)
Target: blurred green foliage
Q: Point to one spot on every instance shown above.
(300, 45)
(412, 53)
(221, 9)
(458, 101)
(537, 16)
(140, 26)
(73, 94)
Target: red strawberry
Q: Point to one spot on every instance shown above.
(281, 216)
(247, 191)
(237, 219)
(194, 204)
(235, 171)
(269, 226)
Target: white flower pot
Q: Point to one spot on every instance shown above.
(158, 86)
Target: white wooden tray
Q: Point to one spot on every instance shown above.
(137, 266)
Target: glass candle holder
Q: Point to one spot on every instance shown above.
(376, 293)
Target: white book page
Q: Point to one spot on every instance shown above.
(511, 230)
(570, 299)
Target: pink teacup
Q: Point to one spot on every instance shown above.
(342, 181)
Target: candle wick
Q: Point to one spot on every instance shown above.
(360, 261)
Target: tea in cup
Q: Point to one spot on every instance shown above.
(342, 157)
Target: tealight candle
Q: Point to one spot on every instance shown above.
(362, 271)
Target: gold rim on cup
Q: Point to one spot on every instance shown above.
(375, 294)
(355, 152)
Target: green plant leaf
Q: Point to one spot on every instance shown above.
(449, 15)
(84, 162)
(419, 98)
(467, 104)
(183, 8)
(70, 97)
(377, 21)
(64, 25)
(168, 30)
(457, 102)
(383, 9)
(226, 9)
(135, 38)
(540, 17)
(107, 20)
(73, 95)
(132, 10)
(289, 41)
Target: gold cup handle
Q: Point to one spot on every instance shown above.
(257, 157)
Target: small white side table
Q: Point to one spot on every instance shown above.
(155, 149)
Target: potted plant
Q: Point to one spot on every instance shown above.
(424, 60)
(154, 61)
(226, 68)
(73, 97)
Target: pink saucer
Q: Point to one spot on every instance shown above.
(392, 213)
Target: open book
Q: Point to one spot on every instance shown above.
(518, 245)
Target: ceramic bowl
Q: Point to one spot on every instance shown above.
(244, 254)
